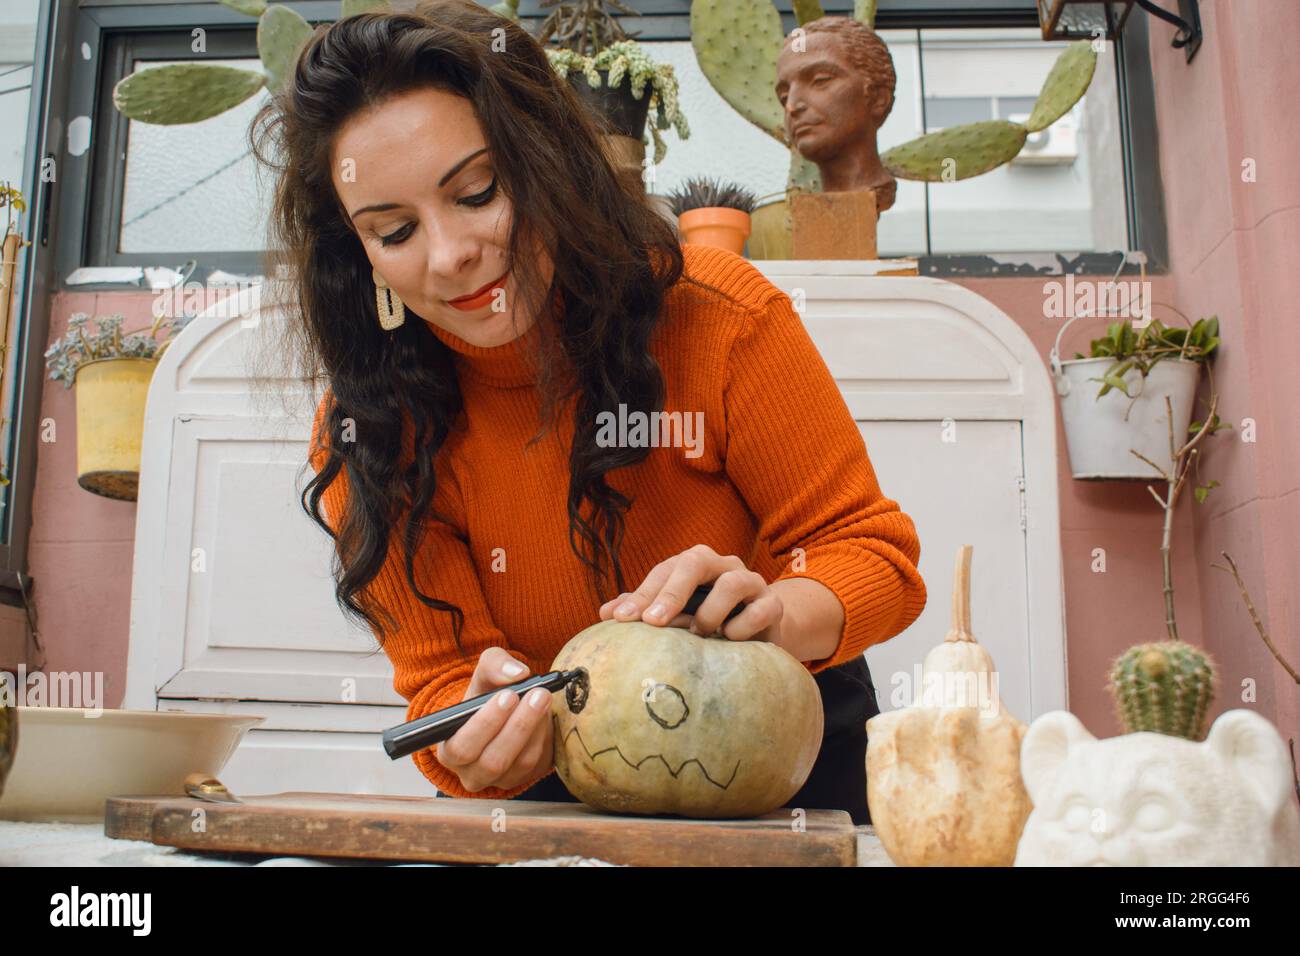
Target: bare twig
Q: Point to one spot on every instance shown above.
(1163, 474)
(1259, 626)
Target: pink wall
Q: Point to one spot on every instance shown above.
(1230, 257)
(1234, 246)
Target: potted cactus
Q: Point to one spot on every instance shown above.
(112, 371)
(745, 76)
(713, 213)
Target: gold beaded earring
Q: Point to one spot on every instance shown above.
(390, 315)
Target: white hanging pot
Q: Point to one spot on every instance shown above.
(1099, 432)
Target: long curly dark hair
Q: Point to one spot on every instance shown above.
(615, 257)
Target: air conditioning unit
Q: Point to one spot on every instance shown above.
(1054, 146)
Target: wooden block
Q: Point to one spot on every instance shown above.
(473, 830)
(835, 225)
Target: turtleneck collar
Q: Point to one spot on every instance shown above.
(510, 365)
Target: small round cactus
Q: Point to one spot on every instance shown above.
(1164, 687)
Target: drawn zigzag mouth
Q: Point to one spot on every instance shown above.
(660, 757)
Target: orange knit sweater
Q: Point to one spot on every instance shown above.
(780, 466)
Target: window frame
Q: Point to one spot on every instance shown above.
(118, 29)
(69, 81)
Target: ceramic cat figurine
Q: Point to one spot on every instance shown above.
(1148, 799)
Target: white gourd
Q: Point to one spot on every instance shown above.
(943, 774)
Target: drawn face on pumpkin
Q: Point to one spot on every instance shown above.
(666, 721)
(665, 706)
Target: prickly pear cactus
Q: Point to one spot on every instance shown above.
(737, 43)
(353, 7)
(1165, 687)
(804, 174)
(805, 11)
(1065, 85)
(184, 92)
(252, 8)
(192, 92)
(281, 35)
(958, 152)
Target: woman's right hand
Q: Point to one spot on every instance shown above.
(508, 742)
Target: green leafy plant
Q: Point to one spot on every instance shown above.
(78, 346)
(706, 193)
(11, 200)
(11, 203)
(1144, 348)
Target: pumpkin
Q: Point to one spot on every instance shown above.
(943, 774)
(664, 721)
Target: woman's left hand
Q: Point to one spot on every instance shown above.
(670, 583)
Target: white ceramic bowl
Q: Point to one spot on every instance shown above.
(69, 761)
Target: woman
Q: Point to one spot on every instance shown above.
(479, 285)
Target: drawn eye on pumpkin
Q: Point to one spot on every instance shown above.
(667, 707)
(577, 691)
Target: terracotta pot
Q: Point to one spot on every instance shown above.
(715, 226)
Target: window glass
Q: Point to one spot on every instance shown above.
(195, 186)
(17, 40)
(1065, 192)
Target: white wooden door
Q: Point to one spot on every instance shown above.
(957, 412)
(960, 482)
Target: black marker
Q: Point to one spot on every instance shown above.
(434, 728)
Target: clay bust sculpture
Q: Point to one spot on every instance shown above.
(835, 79)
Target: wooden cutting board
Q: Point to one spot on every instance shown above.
(466, 830)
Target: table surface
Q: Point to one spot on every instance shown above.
(84, 844)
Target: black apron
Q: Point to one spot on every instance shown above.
(838, 780)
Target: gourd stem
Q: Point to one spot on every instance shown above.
(961, 597)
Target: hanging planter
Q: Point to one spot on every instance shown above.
(111, 395)
(623, 107)
(111, 372)
(1137, 370)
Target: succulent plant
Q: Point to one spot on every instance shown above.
(627, 58)
(77, 347)
(1164, 687)
(192, 92)
(706, 193)
(738, 42)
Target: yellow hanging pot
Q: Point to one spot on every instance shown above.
(111, 395)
